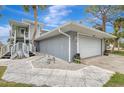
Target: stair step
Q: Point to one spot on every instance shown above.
(31, 54)
(7, 55)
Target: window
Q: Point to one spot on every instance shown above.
(22, 31)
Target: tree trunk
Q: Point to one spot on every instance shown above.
(104, 23)
(35, 22)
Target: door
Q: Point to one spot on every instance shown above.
(89, 46)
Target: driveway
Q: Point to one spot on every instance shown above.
(22, 71)
(112, 62)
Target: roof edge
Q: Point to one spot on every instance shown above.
(71, 22)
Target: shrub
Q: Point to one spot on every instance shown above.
(77, 58)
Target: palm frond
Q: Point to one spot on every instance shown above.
(42, 7)
(26, 8)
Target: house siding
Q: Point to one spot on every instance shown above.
(57, 46)
(73, 43)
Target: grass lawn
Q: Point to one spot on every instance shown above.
(117, 80)
(118, 53)
(10, 84)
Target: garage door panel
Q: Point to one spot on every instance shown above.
(89, 46)
(56, 46)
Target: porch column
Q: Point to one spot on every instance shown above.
(15, 37)
(24, 37)
(29, 32)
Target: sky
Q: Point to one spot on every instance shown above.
(51, 17)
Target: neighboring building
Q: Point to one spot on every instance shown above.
(71, 38)
(20, 40)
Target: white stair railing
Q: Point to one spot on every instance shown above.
(32, 48)
(14, 50)
(25, 50)
(5, 49)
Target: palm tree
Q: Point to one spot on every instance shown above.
(118, 25)
(35, 8)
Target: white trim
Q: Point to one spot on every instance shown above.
(15, 37)
(78, 50)
(24, 37)
(95, 30)
(52, 31)
(81, 26)
(29, 32)
(88, 35)
(69, 43)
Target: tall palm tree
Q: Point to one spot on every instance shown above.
(35, 8)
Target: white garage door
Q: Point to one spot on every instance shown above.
(89, 46)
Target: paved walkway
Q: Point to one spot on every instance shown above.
(57, 64)
(112, 62)
(90, 76)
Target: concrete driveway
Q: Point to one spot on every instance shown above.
(22, 71)
(112, 62)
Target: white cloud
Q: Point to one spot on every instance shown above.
(4, 33)
(56, 14)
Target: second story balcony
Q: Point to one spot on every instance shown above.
(19, 30)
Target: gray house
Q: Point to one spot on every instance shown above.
(71, 38)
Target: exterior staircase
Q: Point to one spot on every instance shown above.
(19, 50)
(5, 51)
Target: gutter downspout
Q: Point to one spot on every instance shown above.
(69, 42)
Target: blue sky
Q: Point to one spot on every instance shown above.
(52, 17)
